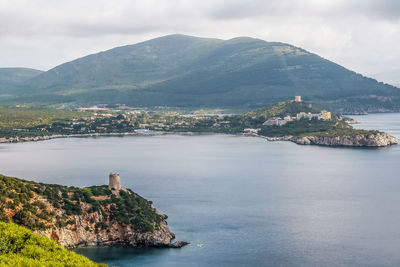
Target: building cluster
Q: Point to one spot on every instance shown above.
(278, 121)
(323, 115)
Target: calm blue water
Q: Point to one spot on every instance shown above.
(240, 201)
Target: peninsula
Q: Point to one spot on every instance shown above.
(299, 122)
(96, 215)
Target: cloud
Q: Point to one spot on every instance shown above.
(362, 35)
(383, 9)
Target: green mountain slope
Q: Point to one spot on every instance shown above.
(183, 71)
(20, 247)
(11, 76)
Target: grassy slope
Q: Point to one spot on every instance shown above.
(20, 247)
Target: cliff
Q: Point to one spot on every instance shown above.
(84, 216)
(92, 228)
(361, 140)
(377, 139)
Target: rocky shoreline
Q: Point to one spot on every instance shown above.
(379, 139)
(5, 140)
(369, 140)
(77, 234)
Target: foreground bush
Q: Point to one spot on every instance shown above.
(20, 247)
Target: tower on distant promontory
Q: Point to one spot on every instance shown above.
(114, 182)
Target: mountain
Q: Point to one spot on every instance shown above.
(11, 76)
(190, 72)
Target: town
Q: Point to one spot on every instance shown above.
(100, 120)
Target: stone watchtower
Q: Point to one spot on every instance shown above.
(114, 182)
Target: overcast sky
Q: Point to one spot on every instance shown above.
(362, 35)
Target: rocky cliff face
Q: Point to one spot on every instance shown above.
(368, 140)
(84, 231)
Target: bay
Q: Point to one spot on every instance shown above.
(239, 201)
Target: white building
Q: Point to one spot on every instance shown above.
(288, 118)
(250, 131)
(309, 115)
(277, 121)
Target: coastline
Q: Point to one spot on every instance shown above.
(55, 136)
(4, 140)
(380, 139)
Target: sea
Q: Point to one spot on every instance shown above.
(239, 201)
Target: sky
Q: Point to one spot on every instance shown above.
(362, 35)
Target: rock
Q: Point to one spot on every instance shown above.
(378, 139)
(368, 140)
(178, 244)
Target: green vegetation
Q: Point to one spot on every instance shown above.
(20, 247)
(340, 132)
(313, 127)
(130, 208)
(24, 117)
(25, 121)
(189, 72)
(26, 203)
(280, 109)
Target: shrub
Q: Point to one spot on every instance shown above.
(20, 247)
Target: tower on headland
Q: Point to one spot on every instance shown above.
(114, 181)
(297, 98)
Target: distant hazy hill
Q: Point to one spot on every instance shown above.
(184, 71)
(11, 76)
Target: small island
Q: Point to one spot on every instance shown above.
(291, 120)
(96, 215)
